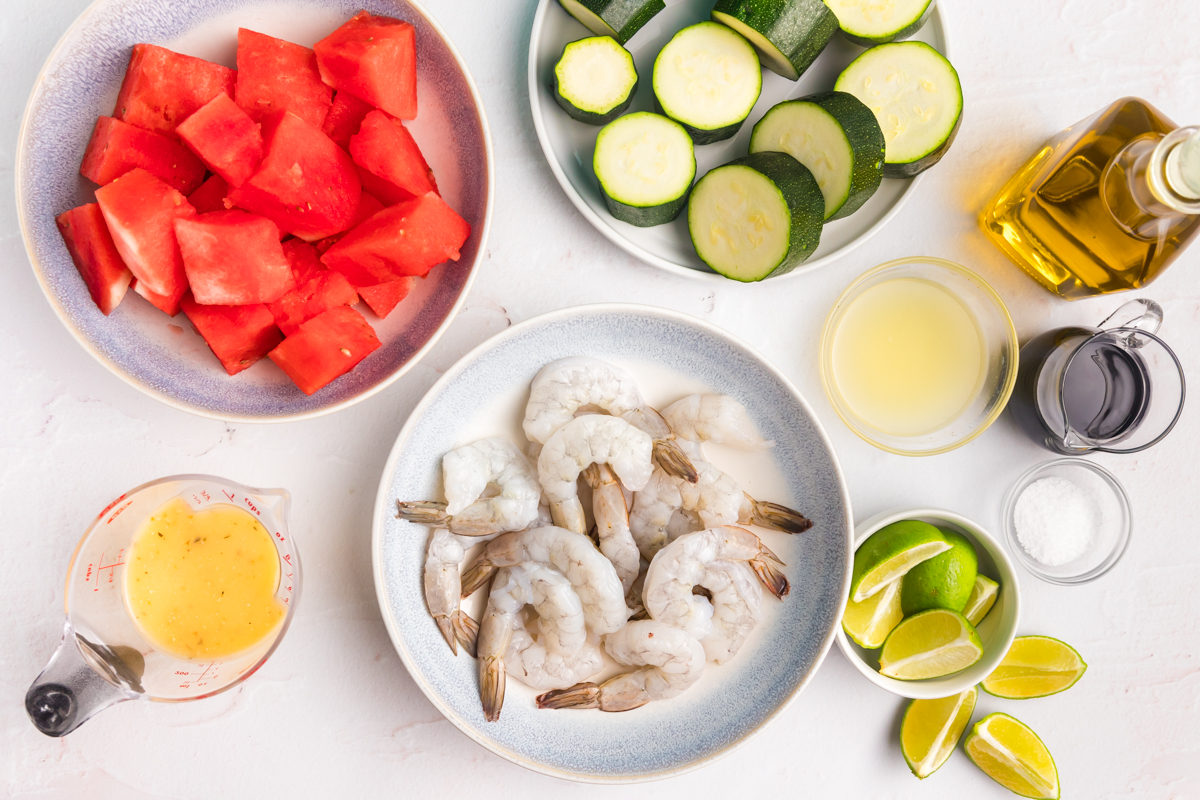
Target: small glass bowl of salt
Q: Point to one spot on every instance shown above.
(1068, 521)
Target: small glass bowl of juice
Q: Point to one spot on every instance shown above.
(919, 356)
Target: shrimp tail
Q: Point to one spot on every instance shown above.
(765, 553)
(491, 686)
(777, 517)
(670, 456)
(581, 695)
(424, 512)
(466, 631)
(446, 626)
(476, 576)
(775, 581)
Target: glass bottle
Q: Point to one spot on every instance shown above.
(1105, 206)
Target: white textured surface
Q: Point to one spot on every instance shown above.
(334, 713)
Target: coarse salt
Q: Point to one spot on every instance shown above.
(1055, 519)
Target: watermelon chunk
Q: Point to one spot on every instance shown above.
(368, 207)
(326, 347)
(345, 116)
(303, 260)
(388, 193)
(233, 258)
(385, 148)
(95, 256)
(117, 147)
(210, 196)
(168, 304)
(317, 293)
(140, 211)
(162, 88)
(405, 239)
(228, 141)
(307, 185)
(274, 75)
(374, 59)
(237, 335)
(382, 298)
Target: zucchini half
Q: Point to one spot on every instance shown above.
(645, 164)
(880, 21)
(917, 99)
(788, 34)
(707, 79)
(595, 79)
(620, 19)
(836, 137)
(756, 217)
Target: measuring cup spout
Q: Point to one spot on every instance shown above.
(72, 688)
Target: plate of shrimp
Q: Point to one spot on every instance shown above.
(612, 508)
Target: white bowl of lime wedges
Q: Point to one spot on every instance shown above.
(911, 635)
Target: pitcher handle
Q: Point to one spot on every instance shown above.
(1142, 314)
(69, 691)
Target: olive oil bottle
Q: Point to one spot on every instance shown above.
(1105, 206)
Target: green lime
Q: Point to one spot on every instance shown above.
(929, 645)
(931, 729)
(983, 597)
(868, 623)
(1013, 756)
(891, 552)
(1035, 666)
(944, 581)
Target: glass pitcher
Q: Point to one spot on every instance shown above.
(1117, 388)
(104, 658)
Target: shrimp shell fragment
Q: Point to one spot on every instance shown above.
(716, 418)
(442, 589)
(612, 523)
(563, 387)
(668, 453)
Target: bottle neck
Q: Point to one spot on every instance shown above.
(1173, 171)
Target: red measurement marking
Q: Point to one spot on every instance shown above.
(117, 513)
(185, 674)
(279, 536)
(110, 567)
(227, 494)
(286, 556)
(110, 505)
(253, 508)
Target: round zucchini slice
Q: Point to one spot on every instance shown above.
(645, 164)
(788, 34)
(836, 137)
(756, 217)
(620, 19)
(595, 79)
(916, 97)
(707, 79)
(881, 21)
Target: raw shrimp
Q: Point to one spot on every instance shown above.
(590, 573)
(467, 472)
(563, 387)
(560, 622)
(668, 453)
(653, 506)
(442, 590)
(612, 523)
(714, 418)
(530, 661)
(587, 440)
(671, 660)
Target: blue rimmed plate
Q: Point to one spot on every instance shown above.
(670, 354)
(161, 356)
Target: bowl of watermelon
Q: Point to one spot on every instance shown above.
(255, 211)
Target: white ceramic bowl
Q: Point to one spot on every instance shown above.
(996, 631)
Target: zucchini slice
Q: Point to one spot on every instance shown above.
(917, 99)
(880, 21)
(836, 137)
(756, 217)
(788, 34)
(595, 79)
(707, 79)
(645, 164)
(620, 19)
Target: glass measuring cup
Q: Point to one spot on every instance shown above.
(104, 658)
(1116, 388)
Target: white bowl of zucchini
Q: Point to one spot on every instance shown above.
(744, 140)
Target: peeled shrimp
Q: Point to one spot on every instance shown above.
(531, 662)
(587, 440)
(716, 560)
(467, 472)
(671, 660)
(714, 418)
(442, 589)
(612, 523)
(668, 453)
(563, 387)
(592, 576)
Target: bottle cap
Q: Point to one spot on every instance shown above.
(1183, 167)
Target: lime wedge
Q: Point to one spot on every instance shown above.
(932, 728)
(983, 597)
(868, 623)
(1035, 666)
(891, 552)
(944, 581)
(929, 645)
(1013, 756)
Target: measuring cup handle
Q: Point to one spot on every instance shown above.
(1142, 314)
(69, 691)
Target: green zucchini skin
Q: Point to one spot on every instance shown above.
(625, 17)
(591, 117)
(799, 29)
(914, 168)
(647, 216)
(898, 36)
